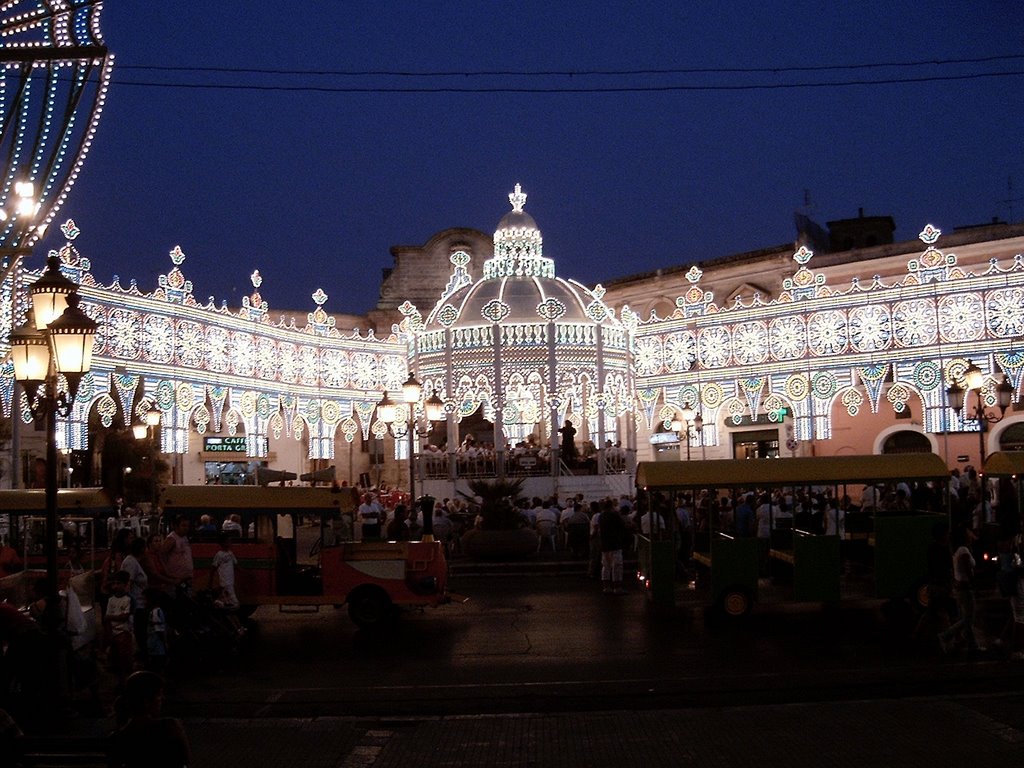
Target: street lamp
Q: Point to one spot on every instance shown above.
(688, 419)
(433, 409)
(56, 342)
(150, 420)
(974, 380)
(144, 431)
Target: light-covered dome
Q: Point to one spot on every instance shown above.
(519, 284)
(521, 346)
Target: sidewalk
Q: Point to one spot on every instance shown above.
(854, 734)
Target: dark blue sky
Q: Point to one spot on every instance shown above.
(312, 188)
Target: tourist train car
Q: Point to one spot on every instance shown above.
(373, 579)
(878, 551)
(84, 515)
(1007, 465)
(1004, 471)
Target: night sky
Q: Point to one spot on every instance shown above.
(313, 187)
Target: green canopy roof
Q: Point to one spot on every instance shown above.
(1004, 463)
(814, 470)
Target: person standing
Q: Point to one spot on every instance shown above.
(222, 569)
(764, 520)
(568, 433)
(156, 631)
(547, 525)
(963, 593)
(612, 533)
(577, 532)
(744, 517)
(398, 527)
(117, 622)
(176, 553)
(443, 528)
(138, 584)
(371, 514)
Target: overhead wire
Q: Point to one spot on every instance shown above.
(568, 89)
(574, 72)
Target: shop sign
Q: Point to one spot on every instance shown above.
(224, 444)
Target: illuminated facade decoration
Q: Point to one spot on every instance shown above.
(206, 367)
(522, 347)
(820, 350)
(828, 362)
(54, 74)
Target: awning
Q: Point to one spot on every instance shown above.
(1004, 463)
(814, 470)
(70, 501)
(223, 499)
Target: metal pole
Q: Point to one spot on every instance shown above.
(412, 462)
(687, 441)
(982, 424)
(52, 518)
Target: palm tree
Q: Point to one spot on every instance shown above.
(497, 503)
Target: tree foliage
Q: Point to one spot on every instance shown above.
(497, 503)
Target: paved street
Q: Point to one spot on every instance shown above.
(525, 643)
(547, 671)
(911, 732)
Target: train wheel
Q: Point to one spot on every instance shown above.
(735, 602)
(919, 596)
(369, 607)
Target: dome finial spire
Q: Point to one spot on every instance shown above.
(517, 198)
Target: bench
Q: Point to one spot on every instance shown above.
(62, 752)
(702, 558)
(784, 555)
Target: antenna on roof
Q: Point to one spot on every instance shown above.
(1010, 199)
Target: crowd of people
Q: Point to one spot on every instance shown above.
(571, 526)
(983, 522)
(475, 458)
(143, 580)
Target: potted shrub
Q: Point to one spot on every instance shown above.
(502, 534)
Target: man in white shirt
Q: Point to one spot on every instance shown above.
(547, 525)
(371, 514)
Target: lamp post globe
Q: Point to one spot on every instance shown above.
(49, 294)
(60, 344)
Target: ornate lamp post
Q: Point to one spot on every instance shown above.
(144, 431)
(56, 342)
(151, 420)
(688, 419)
(974, 380)
(433, 409)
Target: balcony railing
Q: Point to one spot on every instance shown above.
(441, 466)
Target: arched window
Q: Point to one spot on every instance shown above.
(906, 441)
(1012, 438)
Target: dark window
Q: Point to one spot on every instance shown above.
(907, 442)
(1012, 438)
(375, 448)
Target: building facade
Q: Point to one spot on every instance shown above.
(776, 352)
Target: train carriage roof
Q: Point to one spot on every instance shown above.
(814, 470)
(199, 499)
(70, 501)
(1003, 463)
